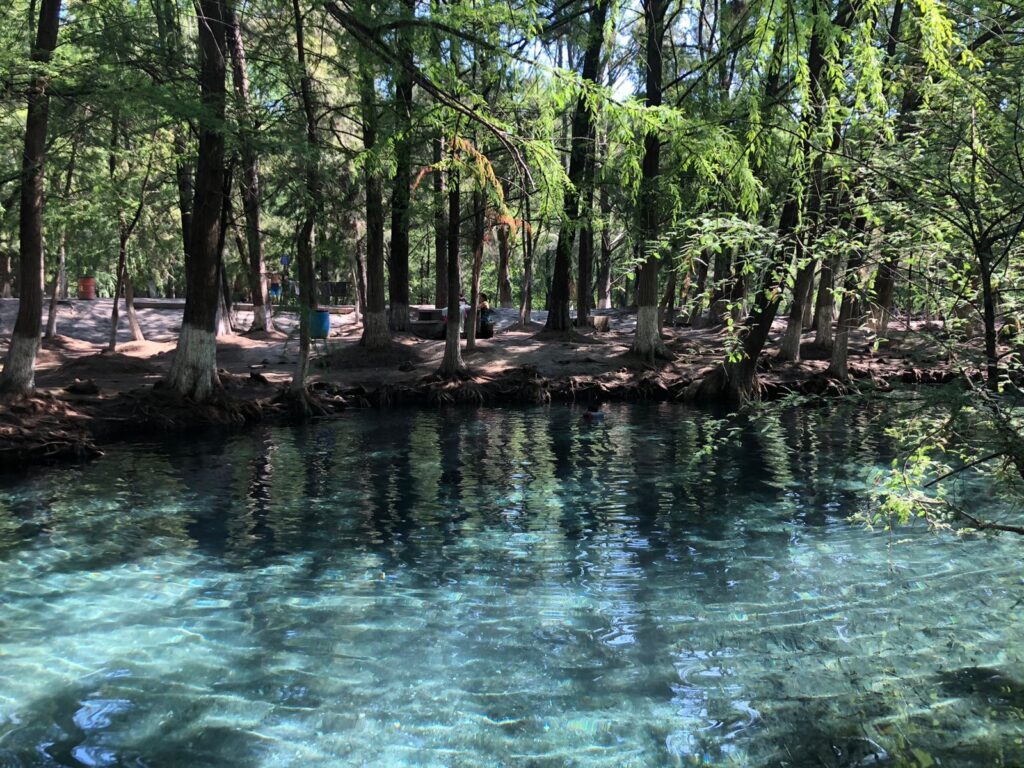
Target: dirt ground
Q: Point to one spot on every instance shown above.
(83, 388)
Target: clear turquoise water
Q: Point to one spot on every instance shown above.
(499, 588)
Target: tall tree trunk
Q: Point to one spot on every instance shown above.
(451, 364)
(122, 256)
(359, 279)
(5, 275)
(194, 370)
(647, 342)
(375, 321)
(721, 285)
(504, 253)
(18, 375)
(526, 300)
(825, 305)
(789, 349)
(60, 277)
(478, 259)
(125, 228)
(304, 249)
(986, 262)
(249, 184)
(848, 310)
(581, 147)
(604, 264)
(440, 227)
(736, 380)
(129, 308)
(398, 283)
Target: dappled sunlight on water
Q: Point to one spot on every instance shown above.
(498, 587)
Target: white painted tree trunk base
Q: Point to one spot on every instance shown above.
(648, 342)
(19, 373)
(398, 317)
(194, 371)
(838, 367)
(789, 347)
(452, 364)
(375, 330)
(262, 318)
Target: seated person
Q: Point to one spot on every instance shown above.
(485, 318)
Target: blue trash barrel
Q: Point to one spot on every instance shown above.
(319, 324)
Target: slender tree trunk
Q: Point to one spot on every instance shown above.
(194, 370)
(789, 349)
(51, 316)
(992, 367)
(700, 288)
(398, 284)
(808, 318)
(249, 184)
(825, 305)
(604, 264)
(883, 289)
(359, 279)
(304, 250)
(5, 275)
(18, 376)
(581, 148)
(478, 259)
(122, 256)
(526, 302)
(129, 308)
(848, 310)
(375, 321)
(440, 228)
(504, 252)
(58, 278)
(451, 364)
(647, 342)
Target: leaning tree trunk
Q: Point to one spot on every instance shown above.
(194, 370)
(249, 184)
(647, 342)
(451, 364)
(736, 380)
(581, 148)
(375, 322)
(398, 283)
(18, 375)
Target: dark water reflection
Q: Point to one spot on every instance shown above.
(499, 587)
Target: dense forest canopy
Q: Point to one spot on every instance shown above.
(827, 163)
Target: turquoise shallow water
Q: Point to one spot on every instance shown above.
(499, 588)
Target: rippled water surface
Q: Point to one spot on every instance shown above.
(499, 588)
